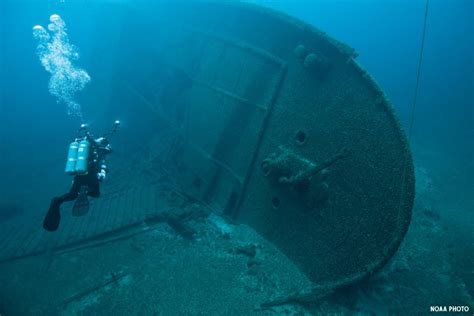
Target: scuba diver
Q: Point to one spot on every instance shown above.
(86, 161)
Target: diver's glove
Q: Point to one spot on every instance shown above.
(101, 175)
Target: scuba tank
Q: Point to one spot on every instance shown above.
(79, 150)
(72, 158)
(83, 157)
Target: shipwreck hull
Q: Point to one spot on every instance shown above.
(273, 99)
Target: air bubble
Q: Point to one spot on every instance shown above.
(56, 55)
(54, 17)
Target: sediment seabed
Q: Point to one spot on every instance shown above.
(207, 267)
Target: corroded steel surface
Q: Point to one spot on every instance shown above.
(290, 92)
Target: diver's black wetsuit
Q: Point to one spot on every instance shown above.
(90, 180)
(99, 149)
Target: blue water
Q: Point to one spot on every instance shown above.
(35, 129)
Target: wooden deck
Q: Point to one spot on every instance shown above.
(113, 214)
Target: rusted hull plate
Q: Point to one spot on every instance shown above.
(340, 223)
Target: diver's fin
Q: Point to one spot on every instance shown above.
(81, 205)
(53, 217)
